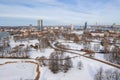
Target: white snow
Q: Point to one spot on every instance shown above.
(33, 53)
(77, 32)
(30, 42)
(99, 56)
(74, 46)
(72, 74)
(94, 45)
(90, 67)
(27, 71)
(61, 40)
(38, 53)
(17, 71)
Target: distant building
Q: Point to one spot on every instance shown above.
(40, 25)
(30, 25)
(72, 27)
(113, 25)
(97, 34)
(31, 28)
(85, 27)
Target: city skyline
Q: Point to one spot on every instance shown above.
(61, 12)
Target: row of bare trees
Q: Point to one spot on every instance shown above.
(16, 52)
(114, 55)
(107, 74)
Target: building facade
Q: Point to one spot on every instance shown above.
(40, 25)
(85, 25)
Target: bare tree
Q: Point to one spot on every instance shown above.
(99, 75)
(53, 63)
(106, 43)
(76, 39)
(109, 74)
(68, 64)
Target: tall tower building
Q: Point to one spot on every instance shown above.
(113, 25)
(85, 25)
(40, 25)
(71, 27)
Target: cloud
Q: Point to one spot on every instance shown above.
(62, 12)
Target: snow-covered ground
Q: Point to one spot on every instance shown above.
(95, 40)
(96, 46)
(38, 53)
(33, 53)
(99, 56)
(77, 32)
(90, 68)
(26, 43)
(93, 46)
(27, 71)
(74, 46)
(18, 71)
(3, 60)
(61, 40)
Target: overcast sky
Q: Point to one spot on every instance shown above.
(59, 12)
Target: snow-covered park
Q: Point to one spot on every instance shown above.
(18, 69)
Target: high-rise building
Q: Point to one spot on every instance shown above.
(113, 25)
(30, 25)
(40, 25)
(85, 25)
(71, 27)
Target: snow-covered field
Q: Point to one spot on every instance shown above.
(18, 71)
(26, 43)
(38, 53)
(77, 32)
(93, 46)
(90, 68)
(74, 46)
(33, 53)
(27, 71)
